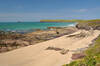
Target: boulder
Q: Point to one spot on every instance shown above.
(78, 56)
(9, 42)
(97, 28)
(20, 43)
(83, 26)
(64, 51)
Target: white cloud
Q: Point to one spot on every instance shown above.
(80, 10)
(83, 10)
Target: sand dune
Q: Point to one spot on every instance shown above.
(37, 55)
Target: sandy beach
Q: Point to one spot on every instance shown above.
(37, 55)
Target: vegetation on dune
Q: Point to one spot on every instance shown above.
(92, 57)
(73, 20)
(94, 22)
(57, 20)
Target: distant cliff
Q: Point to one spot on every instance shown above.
(58, 20)
(95, 23)
(73, 20)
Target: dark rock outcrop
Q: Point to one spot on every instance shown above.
(8, 42)
(83, 26)
(97, 27)
(78, 56)
(87, 27)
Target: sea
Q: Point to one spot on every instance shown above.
(23, 27)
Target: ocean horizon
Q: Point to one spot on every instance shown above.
(31, 26)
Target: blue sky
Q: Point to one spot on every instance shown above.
(35, 10)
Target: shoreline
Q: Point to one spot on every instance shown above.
(10, 38)
(59, 43)
(26, 27)
(37, 54)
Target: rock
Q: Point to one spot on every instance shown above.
(97, 28)
(83, 26)
(3, 49)
(53, 48)
(66, 30)
(54, 28)
(63, 51)
(6, 42)
(38, 30)
(78, 56)
(20, 43)
(9, 42)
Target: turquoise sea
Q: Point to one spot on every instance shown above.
(31, 26)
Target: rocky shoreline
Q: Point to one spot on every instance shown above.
(54, 52)
(10, 41)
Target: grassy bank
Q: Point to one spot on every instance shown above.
(92, 57)
(58, 20)
(73, 20)
(94, 22)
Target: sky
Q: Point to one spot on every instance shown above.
(35, 10)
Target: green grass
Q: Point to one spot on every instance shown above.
(57, 20)
(92, 56)
(73, 20)
(94, 22)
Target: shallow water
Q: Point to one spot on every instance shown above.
(29, 26)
